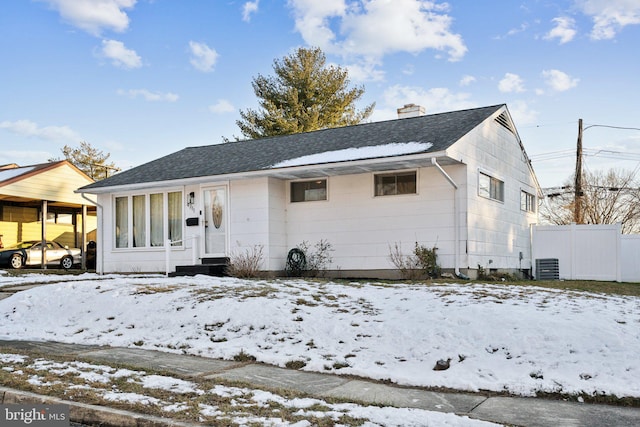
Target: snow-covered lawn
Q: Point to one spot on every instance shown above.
(522, 339)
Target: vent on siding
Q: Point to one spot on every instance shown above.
(503, 120)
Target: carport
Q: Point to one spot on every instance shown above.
(38, 202)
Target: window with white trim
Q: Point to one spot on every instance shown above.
(391, 184)
(309, 191)
(527, 202)
(490, 187)
(147, 220)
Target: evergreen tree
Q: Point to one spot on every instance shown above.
(304, 95)
(89, 160)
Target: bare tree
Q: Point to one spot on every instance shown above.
(608, 198)
(89, 160)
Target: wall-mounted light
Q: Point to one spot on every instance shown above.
(191, 199)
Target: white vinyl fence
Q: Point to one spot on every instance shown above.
(588, 252)
(630, 260)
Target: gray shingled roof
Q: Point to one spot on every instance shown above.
(441, 130)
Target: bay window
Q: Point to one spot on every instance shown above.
(152, 218)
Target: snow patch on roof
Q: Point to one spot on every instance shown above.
(372, 152)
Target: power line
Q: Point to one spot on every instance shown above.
(611, 127)
(591, 152)
(611, 154)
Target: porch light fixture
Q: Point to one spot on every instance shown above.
(191, 199)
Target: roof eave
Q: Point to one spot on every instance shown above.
(295, 172)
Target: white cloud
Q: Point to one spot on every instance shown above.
(365, 71)
(522, 114)
(558, 80)
(120, 56)
(409, 69)
(375, 28)
(222, 106)
(513, 31)
(31, 129)
(467, 80)
(312, 20)
(248, 9)
(203, 57)
(511, 83)
(25, 157)
(433, 100)
(610, 16)
(148, 95)
(564, 30)
(93, 16)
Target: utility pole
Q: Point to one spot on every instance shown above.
(577, 202)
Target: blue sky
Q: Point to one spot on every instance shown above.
(140, 79)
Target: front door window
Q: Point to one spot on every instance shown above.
(215, 220)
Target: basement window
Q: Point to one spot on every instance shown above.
(309, 191)
(392, 184)
(490, 187)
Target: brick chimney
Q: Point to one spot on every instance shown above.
(410, 110)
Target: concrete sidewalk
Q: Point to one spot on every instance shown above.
(505, 410)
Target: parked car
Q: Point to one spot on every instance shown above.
(30, 254)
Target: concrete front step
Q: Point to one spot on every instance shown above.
(210, 267)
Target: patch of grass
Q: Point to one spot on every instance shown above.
(295, 364)
(537, 375)
(209, 327)
(244, 357)
(340, 365)
(154, 289)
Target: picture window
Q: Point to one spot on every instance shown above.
(309, 191)
(145, 220)
(395, 183)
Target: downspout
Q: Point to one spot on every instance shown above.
(99, 236)
(456, 220)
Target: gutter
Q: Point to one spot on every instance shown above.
(456, 220)
(289, 172)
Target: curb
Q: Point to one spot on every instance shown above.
(83, 413)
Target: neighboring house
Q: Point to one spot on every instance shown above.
(47, 190)
(460, 181)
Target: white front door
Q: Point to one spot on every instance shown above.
(215, 221)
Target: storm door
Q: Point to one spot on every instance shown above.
(215, 222)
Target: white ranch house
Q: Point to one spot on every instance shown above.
(460, 181)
